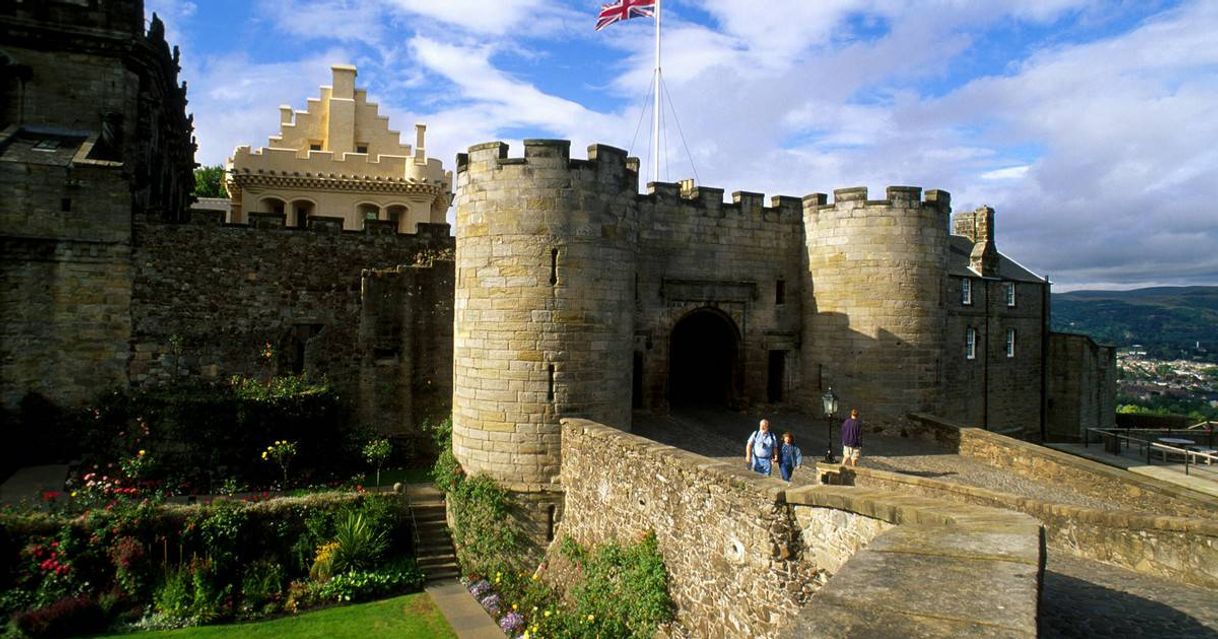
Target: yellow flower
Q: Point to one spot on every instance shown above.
(525, 635)
(141, 453)
(547, 613)
(513, 605)
(591, 618)
(535, 577)
(264, 455)
(73, 493)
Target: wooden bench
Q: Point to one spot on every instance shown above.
(1206, 455)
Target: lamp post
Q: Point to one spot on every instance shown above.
(829, 399)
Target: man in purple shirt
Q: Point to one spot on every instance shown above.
(852, 438)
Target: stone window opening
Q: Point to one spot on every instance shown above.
(780, 292)
(1010, 342)
(551, 521)
(1011, 294)
(361, 148)
(776, 377)
(970, 343)
(315, 146)
(65, 204)
(550, 385)
(966, 291)
(369, 212)
(553, 267)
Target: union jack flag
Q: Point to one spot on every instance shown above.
(624, 10)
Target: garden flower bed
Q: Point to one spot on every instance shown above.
(135, 563)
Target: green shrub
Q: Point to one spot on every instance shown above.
(359, 544)
(624, 589)
(483, 531)
(262, 587)
(173, 596)
(362, 585)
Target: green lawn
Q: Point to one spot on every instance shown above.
(403, 617)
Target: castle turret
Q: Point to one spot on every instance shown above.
(543, 311)
(874, 328)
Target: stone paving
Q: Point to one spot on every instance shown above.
(1081, 598)
(722, 435)
(1089, 599)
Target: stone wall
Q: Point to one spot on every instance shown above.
(696, 253)
(993, 390)
(875, 321)
(1082, 386)
(66, 309)
(1178, 548)
(746, 556)
(1086, 477)
(209, 297)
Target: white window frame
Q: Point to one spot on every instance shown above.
(1010, 342)
(966, 291)
(970, 343)
(1010, 294)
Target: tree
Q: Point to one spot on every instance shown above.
(209, 181)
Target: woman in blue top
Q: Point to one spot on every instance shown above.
(789, 456)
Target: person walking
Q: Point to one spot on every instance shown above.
(852, 439)
(761, 450)
(789, 456)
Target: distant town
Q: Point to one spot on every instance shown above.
(1166, 386)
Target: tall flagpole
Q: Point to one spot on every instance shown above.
(655, 124)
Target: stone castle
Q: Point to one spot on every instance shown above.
(566, 303)
(578, 297)
(575, 295)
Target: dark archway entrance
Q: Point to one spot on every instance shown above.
(703, 359)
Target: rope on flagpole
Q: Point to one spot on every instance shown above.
(680, 131)
(655, 130)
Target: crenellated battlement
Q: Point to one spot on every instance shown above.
(320, 224)
(904, 196)
(611, 166)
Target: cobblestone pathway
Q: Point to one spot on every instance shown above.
(722, 435)
(1081, 598)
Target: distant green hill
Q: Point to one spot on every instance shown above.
(1168, 321)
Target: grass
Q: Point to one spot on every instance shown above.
(409, 617)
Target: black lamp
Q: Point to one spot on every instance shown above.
(829, 399)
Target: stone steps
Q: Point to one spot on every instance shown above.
(435, 554)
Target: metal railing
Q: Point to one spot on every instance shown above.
(1149, 441)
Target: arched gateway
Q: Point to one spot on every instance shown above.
(704, 360)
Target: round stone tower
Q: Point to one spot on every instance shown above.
(543, 324)
(875, 322)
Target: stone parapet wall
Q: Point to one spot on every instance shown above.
(1084, 476)
(1179, 548)
(1081, 387)
(746, 556)
(208, 298)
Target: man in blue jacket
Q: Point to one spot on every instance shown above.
(761, 451)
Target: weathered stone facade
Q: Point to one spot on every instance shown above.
(107, 280)
(367, 309)
(748, 556)
(95, 134)
(577, 297)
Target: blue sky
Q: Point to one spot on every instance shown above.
(1090, 126)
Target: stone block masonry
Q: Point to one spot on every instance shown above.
(748, 557)
(207, 298)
